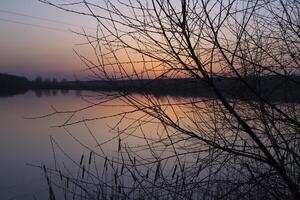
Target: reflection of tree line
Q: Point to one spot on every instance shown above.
(48, 92)
(54, 92)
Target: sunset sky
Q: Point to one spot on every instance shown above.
(35, 40)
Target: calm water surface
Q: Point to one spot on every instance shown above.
(27, 141)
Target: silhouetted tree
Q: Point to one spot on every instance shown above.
(240, 148)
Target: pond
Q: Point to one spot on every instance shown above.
(97, 141)
(26, 142)
(28, 135)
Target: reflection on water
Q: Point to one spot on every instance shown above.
(27, 141)
(107, 131)
(40, 93)
(37, 92)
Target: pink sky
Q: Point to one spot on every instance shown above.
(35, 47)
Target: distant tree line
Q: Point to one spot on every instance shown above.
(274, 88)
(8, 81)
(47, 82)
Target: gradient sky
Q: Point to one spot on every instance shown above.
(32, 46)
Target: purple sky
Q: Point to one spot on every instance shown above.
(35, 40)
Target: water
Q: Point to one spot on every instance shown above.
(40, 140)
(28, 137)
(27, 141)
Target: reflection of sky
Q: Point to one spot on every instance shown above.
(33, 46)
(28, 141)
